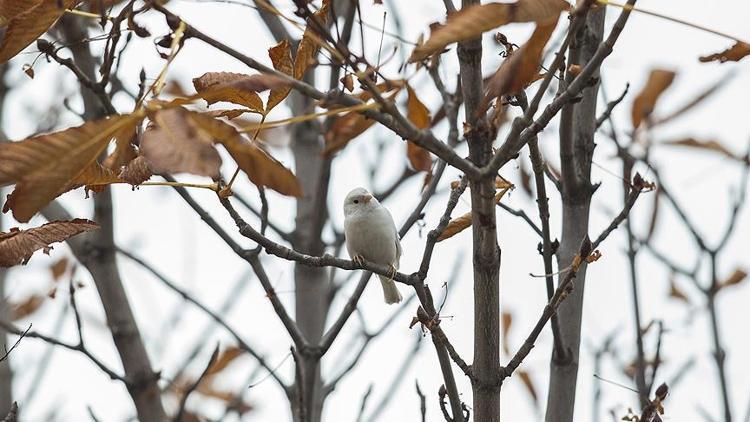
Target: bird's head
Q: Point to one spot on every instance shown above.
(359, 200)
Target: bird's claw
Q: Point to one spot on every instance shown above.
(392, 271)
(359, 260)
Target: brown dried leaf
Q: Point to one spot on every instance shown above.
(26, 24)
(17, 246)
(236, 88)
(522, 67)
(124, 149)
(738, 276)
(58, 268)
(456, 226)
(735, 53)
(710, 145)
(307, 52)
(658, 81)
(344, 129)
(529, 384)
(507, 320)
(175, 144)
(260, 167)
(42, 166)
(224, 359)
(25, 308)
(348, 82)
(228, 113)
(281, 57)
(419, 115)
(675, 292)
(136, 172)
(472, 21)
(94, 177)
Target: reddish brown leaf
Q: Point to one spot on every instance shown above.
(522, 67)
(281, 57)
(419, 115)
(472, 21)
(175, 144)
(735, 53)
(348, 82)
(643, 105)
(25, 26)
(58, 268)
(17, 246)
(710, 145)
(136, 172)
(43, 166)
(25, 308)
(236, 88)
(309, 46)
(456, 226)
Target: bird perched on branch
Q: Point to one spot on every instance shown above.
(371, 236)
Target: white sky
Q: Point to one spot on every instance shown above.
(157, 225)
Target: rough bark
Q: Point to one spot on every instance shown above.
(577, 128)
(6, 375)
(96, 252)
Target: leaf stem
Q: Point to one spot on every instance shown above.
(306, 117)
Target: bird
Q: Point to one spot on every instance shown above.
(371, 235)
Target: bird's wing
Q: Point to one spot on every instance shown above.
(398, 242)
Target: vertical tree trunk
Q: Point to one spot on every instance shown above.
(6, 376)
(97, 254)
(577, 128)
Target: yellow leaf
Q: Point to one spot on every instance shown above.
(658, 81)
(17, 246)
(44, 165)
(735, 53)
(281, 57)
(472, 21)
(29, 24)
(307, 52)
(419, 115)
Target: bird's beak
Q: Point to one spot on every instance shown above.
(366, 198)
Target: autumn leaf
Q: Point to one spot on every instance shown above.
(175, 144)
(472, 21)
(735, 53)
(260, 167)
(309, 46)
(93, 177)
(675, 292)
(17, 246)
(236, 88)
(522, 67)
(658, 81)
(344, 129)
(58, 268)
(25, 26)
(529, 384)
(12, 8)
(419, 115)
(738, 276)
(456, 226)
(224, 359)
(42, 166)
(26, 307)
(136, 172)
(281, 57)
(124, 149)
(507, 320)
(710, 145)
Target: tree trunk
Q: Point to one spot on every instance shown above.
(577, 128)
(96, 252)
(6, 376)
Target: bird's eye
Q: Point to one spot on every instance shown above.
(356, 201)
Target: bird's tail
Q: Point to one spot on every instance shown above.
(390, 291)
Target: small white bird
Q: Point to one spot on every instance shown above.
(371, 235)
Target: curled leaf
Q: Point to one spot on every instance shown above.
(456, 226)
(136, 172)
(236, 88)
(26, 24)
(419, 115)
(17, 246)
(281, 57)
(309, 46)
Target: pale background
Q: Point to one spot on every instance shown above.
(157, 225)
